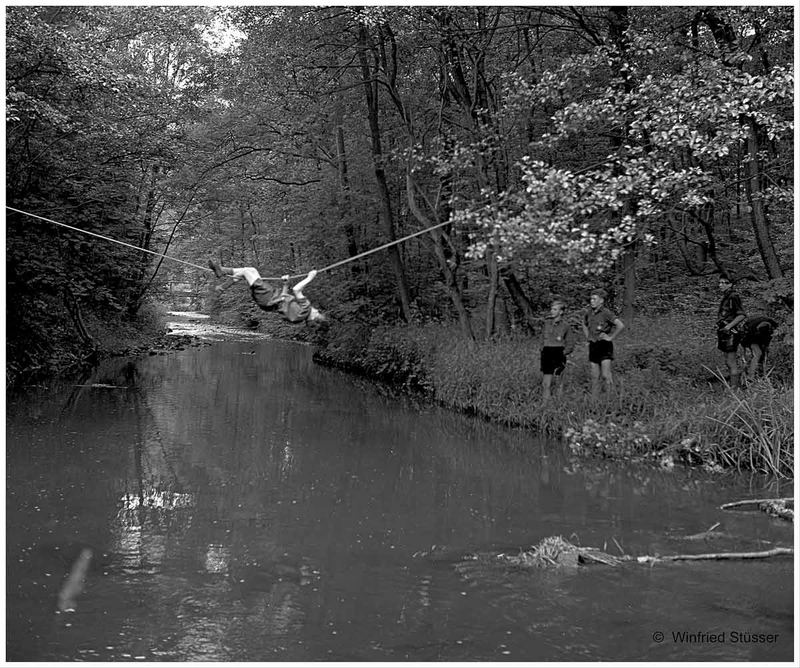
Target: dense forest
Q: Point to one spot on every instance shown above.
(554, 149)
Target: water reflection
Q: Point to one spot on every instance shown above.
(253, 507)
(218, 559)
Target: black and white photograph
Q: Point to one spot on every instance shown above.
(400, 334)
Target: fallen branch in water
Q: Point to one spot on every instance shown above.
(73, 584)
(775, 552)
(752, 502)
(556, 552)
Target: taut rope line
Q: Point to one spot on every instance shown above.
(384, 246)
(100, 236)
(197, 266)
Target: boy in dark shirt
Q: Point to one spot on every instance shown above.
(729, 316)
(294, 306)
(557, 343)
(601, 327)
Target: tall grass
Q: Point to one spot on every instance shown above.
(653, 410)
(754, 430)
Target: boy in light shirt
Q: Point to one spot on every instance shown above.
(557, 343)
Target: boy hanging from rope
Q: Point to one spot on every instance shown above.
(294, 306)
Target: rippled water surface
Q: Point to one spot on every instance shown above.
(243, 504)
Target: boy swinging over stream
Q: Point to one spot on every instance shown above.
(293, 306)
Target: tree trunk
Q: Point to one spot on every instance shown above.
(344, 197)
(74, 309)
(755, 198)
(501, 316)
(629, 281)
(519, 297)
(386, 213)
(448, 272)
(491, 268)
(453, 290)
(726, 40)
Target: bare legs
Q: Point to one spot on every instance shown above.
(733, 366)
(598, 371)
(250, 274)
(759, 357)
(547, 380)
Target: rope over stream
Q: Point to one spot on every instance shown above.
(202, 268)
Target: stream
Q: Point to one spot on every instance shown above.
(240, 503)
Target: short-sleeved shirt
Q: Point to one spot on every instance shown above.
(730, 307)
(294, 309)
(266, 296)
(557, 334)
(598, 322)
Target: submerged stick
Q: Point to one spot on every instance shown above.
(73, 585)
(775, 552)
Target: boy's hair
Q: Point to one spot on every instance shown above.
(600, 293)
(726, 277)
(560, 302)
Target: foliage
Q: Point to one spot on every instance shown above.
(96, 101)
(558, 142)
(609, 439)
(674, 131)
(755, 431)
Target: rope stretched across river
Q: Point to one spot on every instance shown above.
(197, 266)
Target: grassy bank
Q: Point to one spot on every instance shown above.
(669, 405)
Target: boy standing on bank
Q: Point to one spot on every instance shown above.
(557, 343)
(729, 316)
(601, 327)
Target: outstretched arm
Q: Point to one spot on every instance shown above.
(298, 289)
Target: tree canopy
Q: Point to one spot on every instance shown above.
(564, 146)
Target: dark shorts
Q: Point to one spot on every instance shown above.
(264, 295)
(728, 341)
(553, 360)
(600, 350)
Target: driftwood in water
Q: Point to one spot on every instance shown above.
(708, 535)
(766, 554)
(556, 552)
(783, 508)
(73, 584)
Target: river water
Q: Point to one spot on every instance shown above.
(244, 504)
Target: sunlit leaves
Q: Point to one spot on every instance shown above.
(677, 116)
(585, 219)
